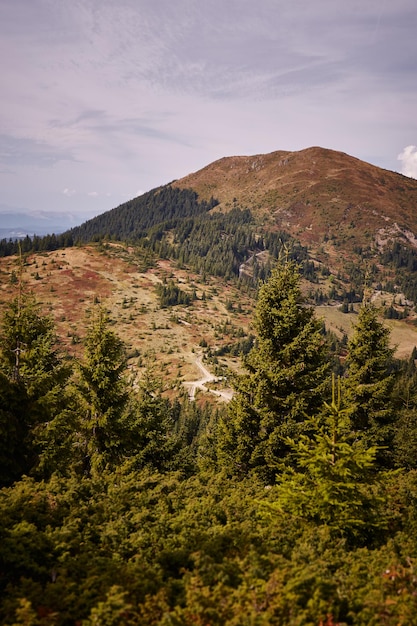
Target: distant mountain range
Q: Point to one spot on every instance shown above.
(18, 224)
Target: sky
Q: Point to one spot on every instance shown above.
(102, 100)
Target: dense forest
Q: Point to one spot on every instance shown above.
(175, 224)
(294, 504)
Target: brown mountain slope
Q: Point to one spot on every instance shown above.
(328, 200)
(69, 283)
(316, 194)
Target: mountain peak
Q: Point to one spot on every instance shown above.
(315, 193)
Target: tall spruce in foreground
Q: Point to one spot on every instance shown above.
(32, 376)
(369, 380)
(103, 394)
(285, 379)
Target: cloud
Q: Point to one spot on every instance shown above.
(408, 157)
(93, 194)
(131, 94)
(23, 151)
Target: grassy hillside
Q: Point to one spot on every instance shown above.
(215, 325)
(69, 282)
(341, 218)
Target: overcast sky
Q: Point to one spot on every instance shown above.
(105, 99)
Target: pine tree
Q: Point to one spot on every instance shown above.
(335, 480)
(285, 379)
(103, 392)
(369, 379)
(33, 376)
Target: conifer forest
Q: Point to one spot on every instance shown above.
(293, 504)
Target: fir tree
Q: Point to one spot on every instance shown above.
(404, 399)
(33, 376)
(369, 379)
(16, 454)
(103, 392)
(114, 610)
(335, 480)
(152, 442)
(28, 350)
(285, 379)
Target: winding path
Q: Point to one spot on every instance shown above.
(207, 377)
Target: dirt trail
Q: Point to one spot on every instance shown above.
(207, 377)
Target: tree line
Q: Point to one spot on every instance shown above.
(174, 223)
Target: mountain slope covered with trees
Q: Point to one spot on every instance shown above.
(348, 220)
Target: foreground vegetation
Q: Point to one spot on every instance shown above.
(296, 504)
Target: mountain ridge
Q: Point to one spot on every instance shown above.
(312, 192)
(341, 218)
(18, 224)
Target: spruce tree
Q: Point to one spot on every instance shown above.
(116, 421)
(33, 376)
(405, 405)
(285, 379)
(28, 346)
(16, 453)
(369, 379)
(334, 481)
(103, 394)
(152, 442)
